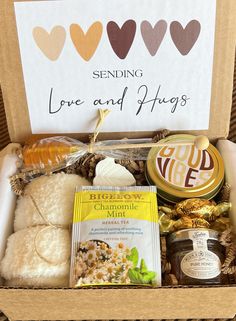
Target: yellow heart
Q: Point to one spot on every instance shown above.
(86, 43)
(51, 44)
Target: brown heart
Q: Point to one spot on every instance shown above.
(121, 39)
(185, 38)
(153, 37)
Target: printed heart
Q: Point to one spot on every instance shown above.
(121, 39)
(86, 43)
(153, 37)
(51, 44)
(185, 38)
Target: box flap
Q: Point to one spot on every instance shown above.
(119, 304)
(13, 88)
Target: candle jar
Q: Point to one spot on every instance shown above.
(196, 256)
(182, 172)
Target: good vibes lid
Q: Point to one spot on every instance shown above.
(184, 171)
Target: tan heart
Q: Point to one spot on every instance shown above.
(51, 44)
(86, 43)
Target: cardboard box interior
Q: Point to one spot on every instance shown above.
(4, 136)
(127, 303)
(131, 303)
(12, 81)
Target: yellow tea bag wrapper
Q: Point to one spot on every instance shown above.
(115, 237)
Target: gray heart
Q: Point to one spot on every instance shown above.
(153, 37)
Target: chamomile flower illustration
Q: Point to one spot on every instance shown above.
(92, 246)
(98, 263)
(91, 256)
(110, 269)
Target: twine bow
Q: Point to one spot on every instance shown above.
(49, 226)
(103, 113)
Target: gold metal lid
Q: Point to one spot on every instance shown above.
(181, 172)
(184, 235)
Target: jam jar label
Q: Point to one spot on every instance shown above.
(200, 263)
(184, 166)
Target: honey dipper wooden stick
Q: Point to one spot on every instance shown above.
(52, 153)
(201, 143)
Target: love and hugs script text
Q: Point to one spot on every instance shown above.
(145, 100)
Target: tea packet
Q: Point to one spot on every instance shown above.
(116, 239)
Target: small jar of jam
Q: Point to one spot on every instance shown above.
(196, 256)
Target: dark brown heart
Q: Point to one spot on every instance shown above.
(121, 39)
(185, 38)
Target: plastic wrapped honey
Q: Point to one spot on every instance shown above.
(48, 153)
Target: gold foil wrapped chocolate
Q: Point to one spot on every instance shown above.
(193, 213)
(201, 208)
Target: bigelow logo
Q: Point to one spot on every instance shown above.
(184, 166)
(104, 196)
(121, 39)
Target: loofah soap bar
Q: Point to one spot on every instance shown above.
(54, 196)
(21, 262)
